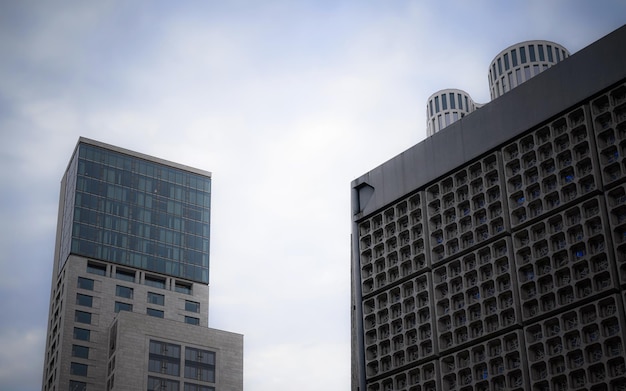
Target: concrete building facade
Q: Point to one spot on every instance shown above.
(130, 279)
(492, 255)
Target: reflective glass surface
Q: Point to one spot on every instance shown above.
(139, 213)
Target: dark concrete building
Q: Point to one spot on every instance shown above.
(492, 255)
(129, 297)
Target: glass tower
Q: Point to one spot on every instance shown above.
(129, 292)
(132, 211)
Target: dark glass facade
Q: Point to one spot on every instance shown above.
(136, 212)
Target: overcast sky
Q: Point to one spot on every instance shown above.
(285, 102)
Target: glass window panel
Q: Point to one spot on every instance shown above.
(155, 313)
(522, 54)
(460, 97)
(183, 288)
(125, 275)
(549, 50)
(452, 106)
(541, 55)
(155, 282)
(506, 61)
(77, 386)
(84, 300)
(192, 320)
(155, 298)
(82, 334)
(514, 57)
(531, 52)
(85, 283)
(437, 104)
(80, 351)
(192, 306)
(161, 384)
(119, 306)
(78, 369)
(431, 107)
(499, 67)
(98, 269)
(124, 291)
(82, 317)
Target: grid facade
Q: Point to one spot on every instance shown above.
(507, 272)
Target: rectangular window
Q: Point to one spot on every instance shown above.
(518, 76)
(82, 317)
(155, 298)
(522, 54)
(431, 111)
(557, 54)
(197, 387)
(452, 106)
(119, 306)
(192, 320)
(527, 72)
(82, 334)
(447, 119)
(535, 69)
(200, 365)
(493, 74)
(436, 104)
(78, 369)
(466, 105)
(155, 313)
(164, 358)
(77, 386)
(125, 275)
(499, 67)
(124, 291)
(549, 50)
(444, 102)
(510, 76)
(192, 306)
(506, 61)
(96, 268)
(84, 300)
(531, 52)
(460, 101)
(85, 283)
(514, 57)
(186, 288)
(155, 282)
(160, 384)
(541, 55)
(80, 351)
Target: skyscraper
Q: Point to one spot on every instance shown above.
(492, 255)
(129, 296)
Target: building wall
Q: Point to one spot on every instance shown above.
(89, 292)
(491, 256)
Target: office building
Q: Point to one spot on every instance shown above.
(129, 296)
(511, 67)
(492, 255)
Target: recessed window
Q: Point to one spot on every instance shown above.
(164, 358)
(161, 384)
(124, 291)
(192, 306)
(82, 334)
(78, 369)
(85, 283)
(436, 104)
(531, 52)
(155, 282)
(119, 306)
(514, 57)
(96, 268)
(522, 54)
(549, 50)
(125, 275)
(155, 313)
(541, 55)
(78, 385)
(452, 105)
(192, 320)
(82, 317)
(155, 298)
(185, 288)
(197, 387)
(84, 300)
(80, 351)
(200, 365)
(444, 102)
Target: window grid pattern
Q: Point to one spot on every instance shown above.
(147, 215)
(559, 259)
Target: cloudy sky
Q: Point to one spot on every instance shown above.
(284, 101)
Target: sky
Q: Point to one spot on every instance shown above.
(285, 102)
